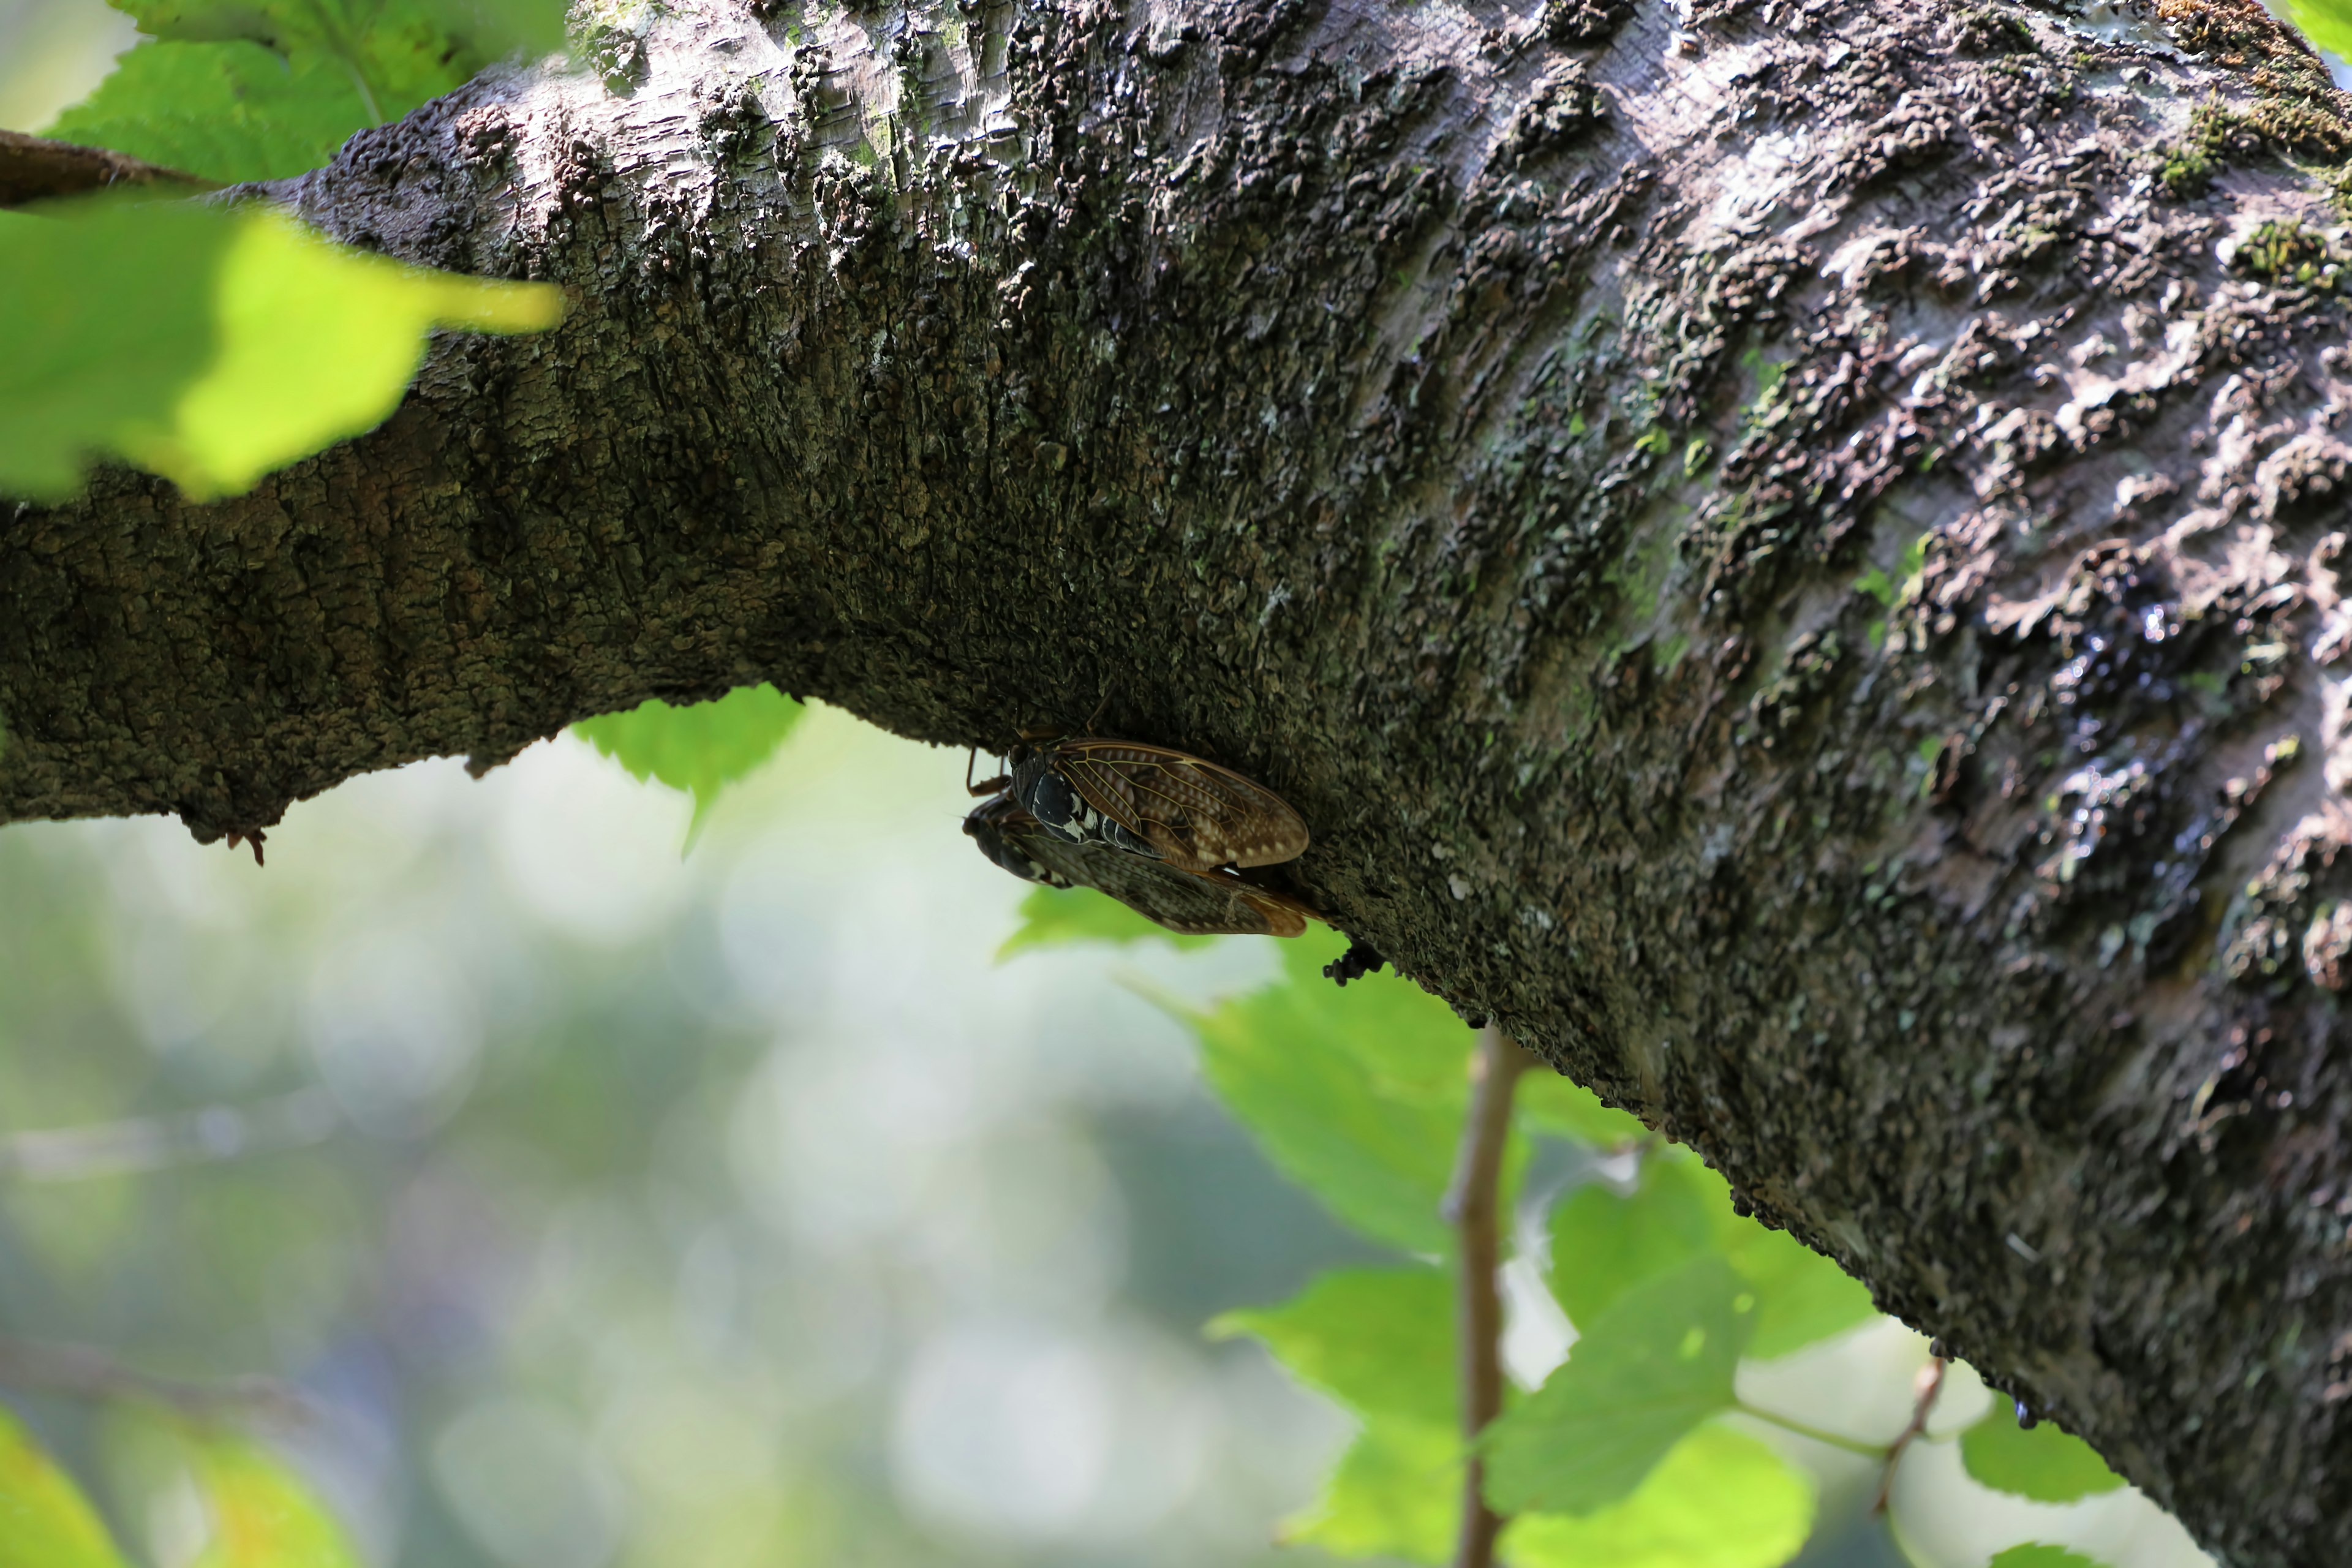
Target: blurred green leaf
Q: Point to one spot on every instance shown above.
(1646, 1371)
(1803, 1297)
(226, 111)
(1548, 1102)
(1060, 917)
(1356, 1094)
(700, 748)
(2038, 1462)
(1380, 1340)
(1396, 1492)
(2041, 1554)
(210, 346)
(1603, 1245)
(263, 1515)
(1719, 1499)
(2328, 23)
(45, 1520)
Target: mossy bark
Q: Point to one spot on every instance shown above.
(1788, 557)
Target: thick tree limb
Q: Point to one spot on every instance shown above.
(1788, 559)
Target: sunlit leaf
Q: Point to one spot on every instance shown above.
(210, 346)
(1396, 1492)
(2038, 1462)
(263, 1515)
(1645, 1373)
(1059, 917)
(2328, 23)
(1604, 1243)
(1548, 1102)
(1380, 1340)
(226, 111)
(45, 1520)
(2042, 1555)
(700, 748)
(1357, 1095)
(1719, 1499)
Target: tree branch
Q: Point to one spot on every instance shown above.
(1474, 1208)
(1790, 561)
(81, 1372)
(35, 169)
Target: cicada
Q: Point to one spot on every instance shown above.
(1197, 903)
(1149, 800)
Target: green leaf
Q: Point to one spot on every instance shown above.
(1803, 1297)
(210, 346)
(700, 748)
(1396, 1492)
(2038, 1462)
(1356, 1094)
(1719, 1499)
(1548, 1102)
(2328, 23)
(1647, 1371)
(263, 1515)
(1380, 1340)
(2042, 1555)
(1603, 1245)
(45, 1520)
(1060, 917)
(225, 111)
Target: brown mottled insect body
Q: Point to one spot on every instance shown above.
(1154, 802)
(1197, 903)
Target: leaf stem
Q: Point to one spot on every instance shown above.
(1474, 1208)
(1930, 1384)
(1802, 1429)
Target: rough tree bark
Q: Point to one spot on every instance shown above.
(1786, 554)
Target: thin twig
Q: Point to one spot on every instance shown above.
(142, 1143)
(1472, 1206)
(1806, 1430)
(1931, 1383)
(84, 1372)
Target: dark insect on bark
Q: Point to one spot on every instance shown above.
(1153, 802)
(1197, 903)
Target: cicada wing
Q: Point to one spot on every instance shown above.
(1198, 815)
(1197, 904)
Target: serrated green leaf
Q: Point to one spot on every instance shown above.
(1380, 1340)
(1548, 1102)
(1604, 1243)
(2038, 1462)
(208, 345)
(1719, 1499)
(2042, 1555)
(1396, 1492)
(1648, 1369)
(1062, 917)
(225, 111)
(45, 1519)
(700, 748)
(1357, 1095)
(263, 1515)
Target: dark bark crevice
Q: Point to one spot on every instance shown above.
(1788, 559)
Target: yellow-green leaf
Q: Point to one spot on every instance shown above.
(1718, 1500)
(263, 1515)
(1380, 1340)
(45, 1520)
(1396, 1492)
(1059, 917)
(700, 748)
(207, 345)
